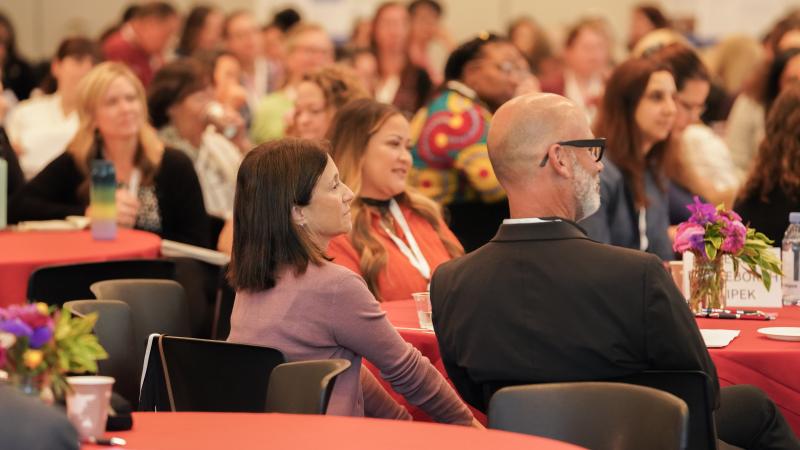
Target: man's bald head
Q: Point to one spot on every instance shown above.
(522, 130)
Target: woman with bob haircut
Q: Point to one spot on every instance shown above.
(113, 108)
(398, 237)
(179, 98)
(773, 189)
(636, 117)
(290, 202)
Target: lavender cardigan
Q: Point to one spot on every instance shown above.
(328, 312)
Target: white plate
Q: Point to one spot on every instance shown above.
(781, 333)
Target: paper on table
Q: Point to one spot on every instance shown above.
(68, 224)
(718, 338)
(179, 249)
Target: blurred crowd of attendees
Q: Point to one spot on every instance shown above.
(214, 85)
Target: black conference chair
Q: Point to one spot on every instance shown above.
(57, 284)
(694, 388)
(114, 330)
(596, 415)
(207, 375)
(303, 387)
(153, 391)
(157, 306)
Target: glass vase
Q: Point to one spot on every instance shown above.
(28, 385)
(37, 386)
(707, 285)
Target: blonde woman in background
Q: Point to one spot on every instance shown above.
(112, 106)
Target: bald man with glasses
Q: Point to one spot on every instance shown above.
(541, 302)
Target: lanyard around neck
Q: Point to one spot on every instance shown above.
(410, 251)
(644, 242)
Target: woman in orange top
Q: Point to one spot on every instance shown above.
(398, 236)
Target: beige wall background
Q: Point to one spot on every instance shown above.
(42, 23)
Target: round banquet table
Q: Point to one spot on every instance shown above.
(21, 252)
(199, 431)
(773, 366)
(751, 358)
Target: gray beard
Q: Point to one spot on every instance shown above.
(587, 191)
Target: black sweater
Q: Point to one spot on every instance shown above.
(53, 194)
(770, 217)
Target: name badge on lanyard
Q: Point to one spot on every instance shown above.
(410, 251)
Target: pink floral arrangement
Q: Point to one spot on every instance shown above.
(713, 231)
(39, 345)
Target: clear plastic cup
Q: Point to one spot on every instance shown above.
(676, 270)
(422, 300)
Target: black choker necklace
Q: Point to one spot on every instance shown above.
(382, 204)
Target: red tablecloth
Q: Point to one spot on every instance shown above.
(773, 366)
(197, 431)
(751, 358)
(23, 252)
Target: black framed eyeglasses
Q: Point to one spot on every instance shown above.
(596, 147)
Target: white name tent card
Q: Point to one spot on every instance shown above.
(742, 288)
(718, 338)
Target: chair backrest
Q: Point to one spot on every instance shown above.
(57, 284)
(153, 389)
(114, 330)
(694, 388)
(223, 308)
(594, 415)
(158, 306)
(207, 375)
(303, 387)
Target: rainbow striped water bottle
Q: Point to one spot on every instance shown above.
(103, 200)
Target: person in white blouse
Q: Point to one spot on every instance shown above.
(41, 127)
(178, 100)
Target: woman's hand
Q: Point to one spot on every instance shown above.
(476, 424)
(127, 207)
(225, 241)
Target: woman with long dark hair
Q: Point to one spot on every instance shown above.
(636, 117)
(746, 122)
(772, 190)
(202, 30)
(290, 203)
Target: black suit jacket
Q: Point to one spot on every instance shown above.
(542, 302)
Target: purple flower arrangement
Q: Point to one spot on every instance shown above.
(43, 344)
(713, 231)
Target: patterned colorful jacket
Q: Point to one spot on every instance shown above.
(451, 161)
